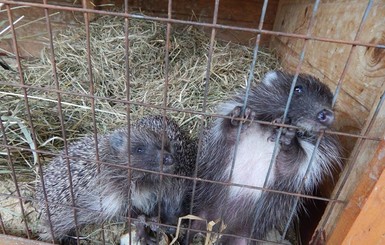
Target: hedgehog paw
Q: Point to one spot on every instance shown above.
(153, 225)
(287, 134)
(144, 234)
(237, 113)
(147, 240)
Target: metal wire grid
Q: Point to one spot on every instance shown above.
(169, 20)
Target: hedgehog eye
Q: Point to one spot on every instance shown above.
(298, 89)
(139, 149)
(176, 144)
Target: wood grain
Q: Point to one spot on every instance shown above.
(12, 240)
(242, 13)
(359, 105)
(368, 227)
(338, 20)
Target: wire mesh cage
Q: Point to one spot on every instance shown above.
(208, 122)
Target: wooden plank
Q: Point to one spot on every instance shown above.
(31, 31)
(367, 165)
(360, 95)
(11, 240)
(236, 12)
(339, 20)
(243, 13)
(369, 226)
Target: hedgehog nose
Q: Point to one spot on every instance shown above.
(167, 159)
(326, 117)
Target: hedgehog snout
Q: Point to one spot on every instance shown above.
(325, 117)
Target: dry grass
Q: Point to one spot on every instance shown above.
(187, 70)
(188, 62)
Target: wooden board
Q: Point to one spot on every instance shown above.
(242, 13)
(369, 224)
(12, 240)
(359, 108)
(31, 30)
(337, 19)
(367, 164)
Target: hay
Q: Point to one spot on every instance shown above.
(187, 70)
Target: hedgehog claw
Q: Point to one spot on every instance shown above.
(236, 113)
(280, 121)
(249, 115)
(145, 230)
(287, 135)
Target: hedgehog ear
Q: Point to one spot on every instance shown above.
(118, 141)
(270, 77)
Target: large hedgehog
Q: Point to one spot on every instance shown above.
(107, 195)
(251, 213)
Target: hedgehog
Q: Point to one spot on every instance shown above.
(252, 213)
(118, 186)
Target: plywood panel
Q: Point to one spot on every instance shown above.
(239, 13)
(359, 105)
(243, 13)
(366, 164)
(31, 30)
(354, 213)
(339, 20)
(11, 240)
(369, 226)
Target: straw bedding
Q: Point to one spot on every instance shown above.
(188, 52)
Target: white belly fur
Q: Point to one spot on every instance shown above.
(144, 200)
(252, 161)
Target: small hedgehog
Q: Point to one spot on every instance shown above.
(251, 213)
(104, 196)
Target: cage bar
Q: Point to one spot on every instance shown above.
(368, 135)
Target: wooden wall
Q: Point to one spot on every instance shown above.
(245, 13)
(359, 105)
(340, 20)
(31, 31)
